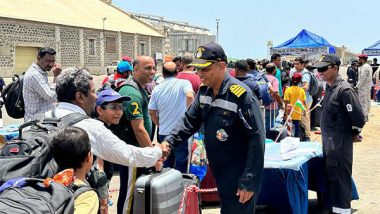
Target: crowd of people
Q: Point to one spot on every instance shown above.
(235, 105)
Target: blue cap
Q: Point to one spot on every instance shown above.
(124, 66)
(109, 95)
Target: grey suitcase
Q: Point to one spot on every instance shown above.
(158, 193)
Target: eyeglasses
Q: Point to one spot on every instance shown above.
(113, 106)
(324, 69)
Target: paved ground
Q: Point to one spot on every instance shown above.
(366, 168)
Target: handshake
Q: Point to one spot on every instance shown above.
(165, 147)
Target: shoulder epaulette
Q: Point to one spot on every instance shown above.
(237, 90)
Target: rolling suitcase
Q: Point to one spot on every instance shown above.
(158, 192)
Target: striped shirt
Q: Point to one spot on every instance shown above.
(39, 96)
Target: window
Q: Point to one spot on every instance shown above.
(142, 49)
(187, 45)
(91, 46)
(190, 45)
(110, 44)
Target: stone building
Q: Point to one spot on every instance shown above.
(91, 33)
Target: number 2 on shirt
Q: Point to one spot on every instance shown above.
(136, 111)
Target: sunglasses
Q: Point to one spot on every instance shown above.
(113, 106)
(324, 69)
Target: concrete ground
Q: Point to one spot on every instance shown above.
(366, 168)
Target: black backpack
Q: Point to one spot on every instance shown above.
(261, 80)
(13, 98)
(30, 154)
(35, 197)
(315, 86)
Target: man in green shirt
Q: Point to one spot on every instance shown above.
(135, 126)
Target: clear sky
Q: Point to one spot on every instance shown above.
(247, 25)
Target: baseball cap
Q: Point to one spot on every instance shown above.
(326, 60)
(124, 66)
(126, 58)
(297, 77)
(207, 54)
(365, 56)
(109, 95)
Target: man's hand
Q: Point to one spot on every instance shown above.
(56, 69)
(158, 166)
(165, 146)
(244, 195)
(357, 138)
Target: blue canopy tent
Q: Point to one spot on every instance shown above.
(373, 50)
(304, 43)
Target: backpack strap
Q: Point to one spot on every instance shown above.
(78, 190)
(132, 83)
(71, 119)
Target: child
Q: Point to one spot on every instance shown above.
(72, 149)
(109, 109)
(292, 95)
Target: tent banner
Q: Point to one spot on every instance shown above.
(375, 52)
(299, 51)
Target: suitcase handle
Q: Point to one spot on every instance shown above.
(30, 123)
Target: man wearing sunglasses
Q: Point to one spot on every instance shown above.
(233, 129)
(342, 121)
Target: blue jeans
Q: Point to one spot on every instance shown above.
(179, 156)
(270, 114)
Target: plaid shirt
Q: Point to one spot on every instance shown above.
(39, 96)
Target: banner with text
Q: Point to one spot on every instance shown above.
(372, 52)
(300, 51)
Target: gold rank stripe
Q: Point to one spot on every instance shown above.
(237, 90)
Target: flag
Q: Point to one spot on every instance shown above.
(299, 104)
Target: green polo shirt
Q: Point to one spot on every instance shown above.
(137, 107)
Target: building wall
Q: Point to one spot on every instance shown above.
(91, 60)
(69, 47)
(114, 54)
(71, 44)
(156, 46)
(142, 40)
(127, 45)
(14, 33)
(179, 41)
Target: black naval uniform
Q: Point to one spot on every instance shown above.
(342, 118)
(234, 139)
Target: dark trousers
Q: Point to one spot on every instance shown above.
(123, 172)
(296, 128)
(124, 175)
(338, 173)
(230, 204)
(178, 158)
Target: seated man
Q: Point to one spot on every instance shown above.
(72, 149)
